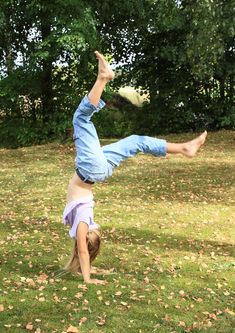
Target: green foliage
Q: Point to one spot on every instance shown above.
(180, 52)
(113, 124)
(17, 132)
(53, 39)
(117, 119)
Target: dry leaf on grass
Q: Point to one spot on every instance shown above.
(29, 327)
(82, 320)
(101, 320)
(72, 329)
(181, 324)
(229, 312)
(79, 295)
(42, 278)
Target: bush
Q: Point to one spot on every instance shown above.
(120, 118)
(18, 132)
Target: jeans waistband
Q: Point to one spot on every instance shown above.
(87, 181)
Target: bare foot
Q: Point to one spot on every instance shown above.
(190, 148)
(104, 71)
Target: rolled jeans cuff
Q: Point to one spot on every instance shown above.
(88, 108)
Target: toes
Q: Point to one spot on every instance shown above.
(99, 56)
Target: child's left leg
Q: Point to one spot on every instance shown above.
(130, 146)
(189, 148)
(121, 150)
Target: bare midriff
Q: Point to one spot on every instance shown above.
(78, 189)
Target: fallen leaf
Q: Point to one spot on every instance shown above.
(82, 320)
(72, 329)
(229, 312)
(82, 286)
(101, 320)
(181, 324)
(41, 299)
(146, 280)
(79, 295)
(29, 326)
(182, 293)
(199, 300)
(113, 230)
(43, 277)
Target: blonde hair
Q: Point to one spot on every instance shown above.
(93, 245)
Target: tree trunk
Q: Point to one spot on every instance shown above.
(8, 44)
(231, 88)
(46, 80)
(222, 88)
(9, 58)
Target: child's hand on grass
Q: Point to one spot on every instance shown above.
(100, 271)
(96, 281)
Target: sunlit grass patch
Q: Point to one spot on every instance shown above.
(168, 235)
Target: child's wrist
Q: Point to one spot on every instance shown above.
(87, 279)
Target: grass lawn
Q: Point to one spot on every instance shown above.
(168, 234)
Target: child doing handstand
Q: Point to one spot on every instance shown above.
(95, 163)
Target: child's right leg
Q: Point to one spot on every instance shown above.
(105, 74)
(91, 164)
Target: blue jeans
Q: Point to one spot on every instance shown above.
(96, 163)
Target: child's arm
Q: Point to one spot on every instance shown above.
(83, 254)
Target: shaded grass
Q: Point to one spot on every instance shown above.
(168, 234)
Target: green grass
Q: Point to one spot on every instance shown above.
(172, 249)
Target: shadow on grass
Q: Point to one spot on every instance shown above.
(173, 242)
(123, 238)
